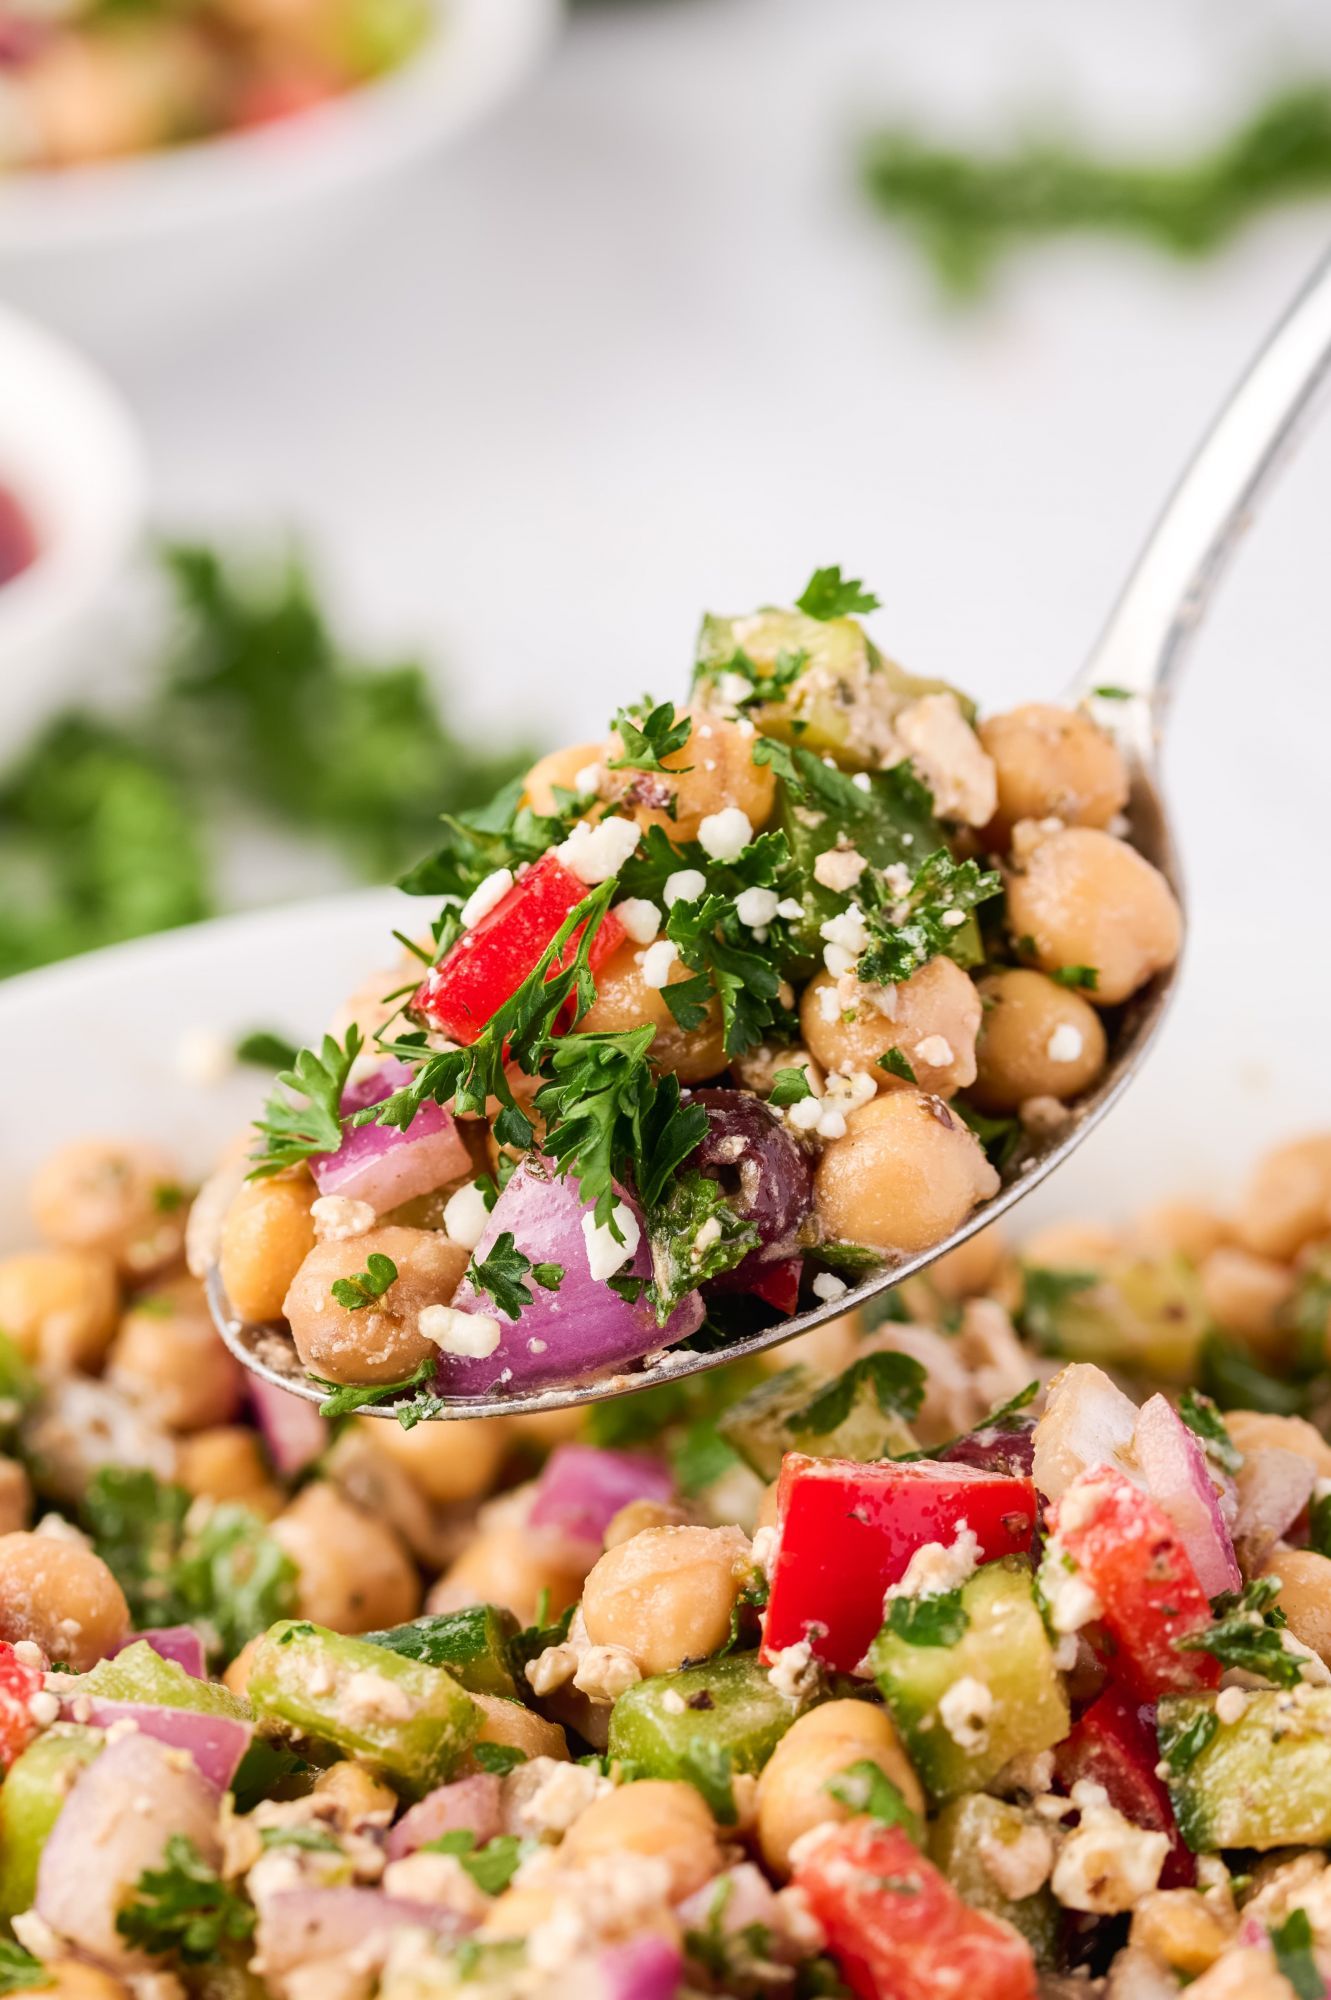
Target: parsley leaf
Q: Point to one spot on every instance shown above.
(1292, 1943)
(532, 1640)
(609, 1117)
(1044, 1293)
(266, 1050)
(695, 1235)
(789, 1086)
(937, 1620)
(363, 1288)
(727, 962)
(501, 834)
(828, 594)
(501, 1272)
(896, 1064)
(1247, 1634)
(701, 1457)
(763, 687)
(897, 1381)
(184, 1908)
(1000, 1137)
(708, 1766)
(310, 1839)
(499, 1758)
(1202, 1417)
(1086, 977)
(925, 923)
(650, 732)
(867, 1789)
(19, 1970)
(491, 1867)
(345, 1398)
(293, 1133)
(1181, 1748)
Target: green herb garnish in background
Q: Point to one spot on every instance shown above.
(968, 209)
(183, 1910)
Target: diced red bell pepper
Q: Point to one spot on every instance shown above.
(847, 1531)
(1114, 1744)
(1128, 1551)
(19, 1682)
(898, 1930)
(490, 961)
(779, 1284)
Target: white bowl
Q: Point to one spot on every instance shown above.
(70, 454)
(133, 251)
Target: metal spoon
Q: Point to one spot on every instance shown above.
(1139, 654)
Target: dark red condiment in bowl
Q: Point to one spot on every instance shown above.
(18, 543)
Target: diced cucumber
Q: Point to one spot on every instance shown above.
(411, 1722)
(1263, 1781)
(140, 1674)
(1144, 1314)
(1006, 1649)
(35, 1789)
(473, 1645)
(726, 1704)
(766, 1424)
(959, 1840)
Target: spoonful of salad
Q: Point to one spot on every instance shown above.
(734, 1020)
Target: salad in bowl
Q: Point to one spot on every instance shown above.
(713, 1016)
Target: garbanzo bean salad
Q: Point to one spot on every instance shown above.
(894, 1664)
(716, 1015)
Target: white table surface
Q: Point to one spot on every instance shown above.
(642, 349)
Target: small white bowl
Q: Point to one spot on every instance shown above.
(71, 456)
(128, 253)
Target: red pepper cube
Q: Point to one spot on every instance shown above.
(1114, 1744)
(1127, 1550)
(490, 961)
(898, 1930)
(846, 1531)
(19, 1682)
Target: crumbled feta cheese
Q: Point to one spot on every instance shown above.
(44, 1708)
(829, 1003)
(656, 963)
(964, 1712)
(862, 782)
(204, 1057)
(794, 1672)
(937, 1567)
(1065, 1044)
(805, 1114)
(588, 779)
(849, 1090)
(423, 1877)
(828, 1286)
(839, 868)
(1071, 1601)
(605, 1256)
(551, 1669)
(952, 920)
(725, 834)
(733, 688)
(935, 1050)
(485, 895)
(465, 1216)
(838, 960)
(606, 1672)
(1020, 1867)
(562, 1794)
(709, 1233)
(765, 1541)
(1042, 1116)
(337, 1218)
(473, 1335)
(952, 761)
(756, 907)
(640, 918)
(686, 885)
(1106, 1864)
(1230, 1704)
(846, 929)
(831, 1124)
(673, 1702)
(595, 853)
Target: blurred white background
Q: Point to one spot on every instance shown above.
(644, 348)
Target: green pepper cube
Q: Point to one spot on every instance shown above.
(140, 1674)
(472, 1644)
(726, 1704)
(967, 1841)
(767, 1423)
(35, 1789)
(409, 1721)
(1262, 1781)
(1005, 1649)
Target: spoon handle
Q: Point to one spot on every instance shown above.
(1144, 640)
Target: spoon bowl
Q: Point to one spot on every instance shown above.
(1130, 676)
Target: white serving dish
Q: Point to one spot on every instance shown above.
(70, 453)
(129, 253)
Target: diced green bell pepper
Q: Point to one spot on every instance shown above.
(35, 1789)
(959, 1839)
(1263, 1781)
(766, 1424)
(473, 1644)
(1004, 1647)
(725, 1704)
(409, 1721)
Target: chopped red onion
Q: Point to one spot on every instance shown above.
(215, 1742)
(384, 1165)
(649, 1967)
(178, 1643)
(469, 1805)
(298, 1926)
(582, 1489)
(1174, 1470)
(293, 1431)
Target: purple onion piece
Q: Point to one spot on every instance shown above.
(384, 1165)
(301, 1926)
(649, 1967)
(581, 1489)
(178, 1643)
(468, 1805)
(216, 1743)
(293, 1431)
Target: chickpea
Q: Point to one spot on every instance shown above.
(1255, 1430)
(558, 767)
(624, 1000)
(636, 1516)
(934, 1022)
(1244, 1972)
(1072, 1246)
(1180, 1229)
(1179, 1928)
(1088, 899)
(1054, 763)
(61, 1595)
(715, 770)
(905, 1175)
(1305, 1595)
(511, 1565)
(667, 1595)
(70, 1979)
(448, 1462)
(121, 1197)
(1037, 1039)
(817, 1748)
(512, 1723)
(59, 1306)
(377, 1343)
(168, 1355)
(266, 1236)
(354, 1574)
(544, 1429)
(237, 1675)
(1244, 1293)
(662, 1817)
(1288, 1200)
(357, 1794)
(972, 1267)
(15, 1496)
(227, 1463)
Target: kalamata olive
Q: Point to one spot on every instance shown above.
(1005, 1448)
(761, 1170)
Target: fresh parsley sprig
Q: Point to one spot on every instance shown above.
(367, 1287)
(345, 1398)
(609, 1117)
(1248, 1633)
(650, 731)
(294, 1133)
(938, 1619)
(897, 1382)
(928, 922)
(20, 1972)
(695, 1235)
(184, 1909)
(828, 594)
(501, 1272)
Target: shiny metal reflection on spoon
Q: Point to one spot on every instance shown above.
(1139, 653)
